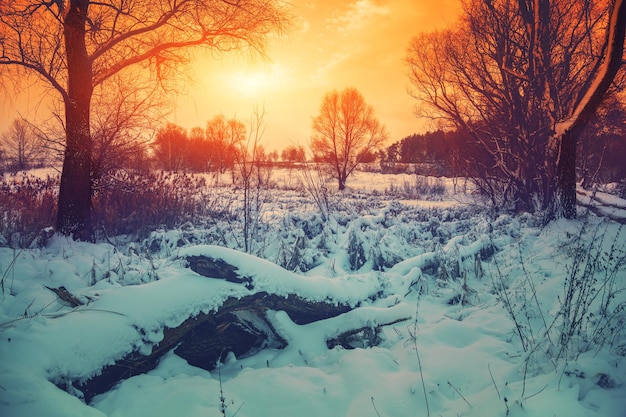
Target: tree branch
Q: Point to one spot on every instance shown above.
(611, 63)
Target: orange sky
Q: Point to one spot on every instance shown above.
(333, 44)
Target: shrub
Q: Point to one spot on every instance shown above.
(418, 188)
(591, 311)
(137, 204)
(356, 251)
(28, 205)
(315, 183)
(429, 186)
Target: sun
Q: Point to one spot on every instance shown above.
(257, 81)
(249, 82)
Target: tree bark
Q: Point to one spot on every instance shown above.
(74, 210)
(566, 176)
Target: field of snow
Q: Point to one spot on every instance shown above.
(494, 315)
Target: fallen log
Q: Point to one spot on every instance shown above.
(239, 325)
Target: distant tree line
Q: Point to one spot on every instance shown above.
(210, 149)
(220, 147)
(429, 153)
(456, 153)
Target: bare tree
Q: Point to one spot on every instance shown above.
(345, 130)
(170, 147)
(126, 111)
(198, 150)
(76, 45)
(510, 75)
(224, 137)
(20, 146)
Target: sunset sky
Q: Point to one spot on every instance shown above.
(332, 44)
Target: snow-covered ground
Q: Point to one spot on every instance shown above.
(479, 300)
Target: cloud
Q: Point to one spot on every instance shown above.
(357, 15)
(323, 69)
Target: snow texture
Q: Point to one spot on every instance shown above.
(442, 273)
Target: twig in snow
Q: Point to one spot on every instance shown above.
(533, 288)
(223, 405)
(536, 393)
(500, 288)
(11, 268)
(494, 381)
(459, 392)
(375, 409)
(237, 412)
(66, 296)
(417, 354)
(525, 373)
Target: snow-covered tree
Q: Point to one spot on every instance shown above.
(571, 124)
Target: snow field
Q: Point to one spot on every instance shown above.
(471, 355)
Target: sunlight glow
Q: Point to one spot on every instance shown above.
(258, 81)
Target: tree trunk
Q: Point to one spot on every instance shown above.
(74, 207)
(341, 179)
(566, 176)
